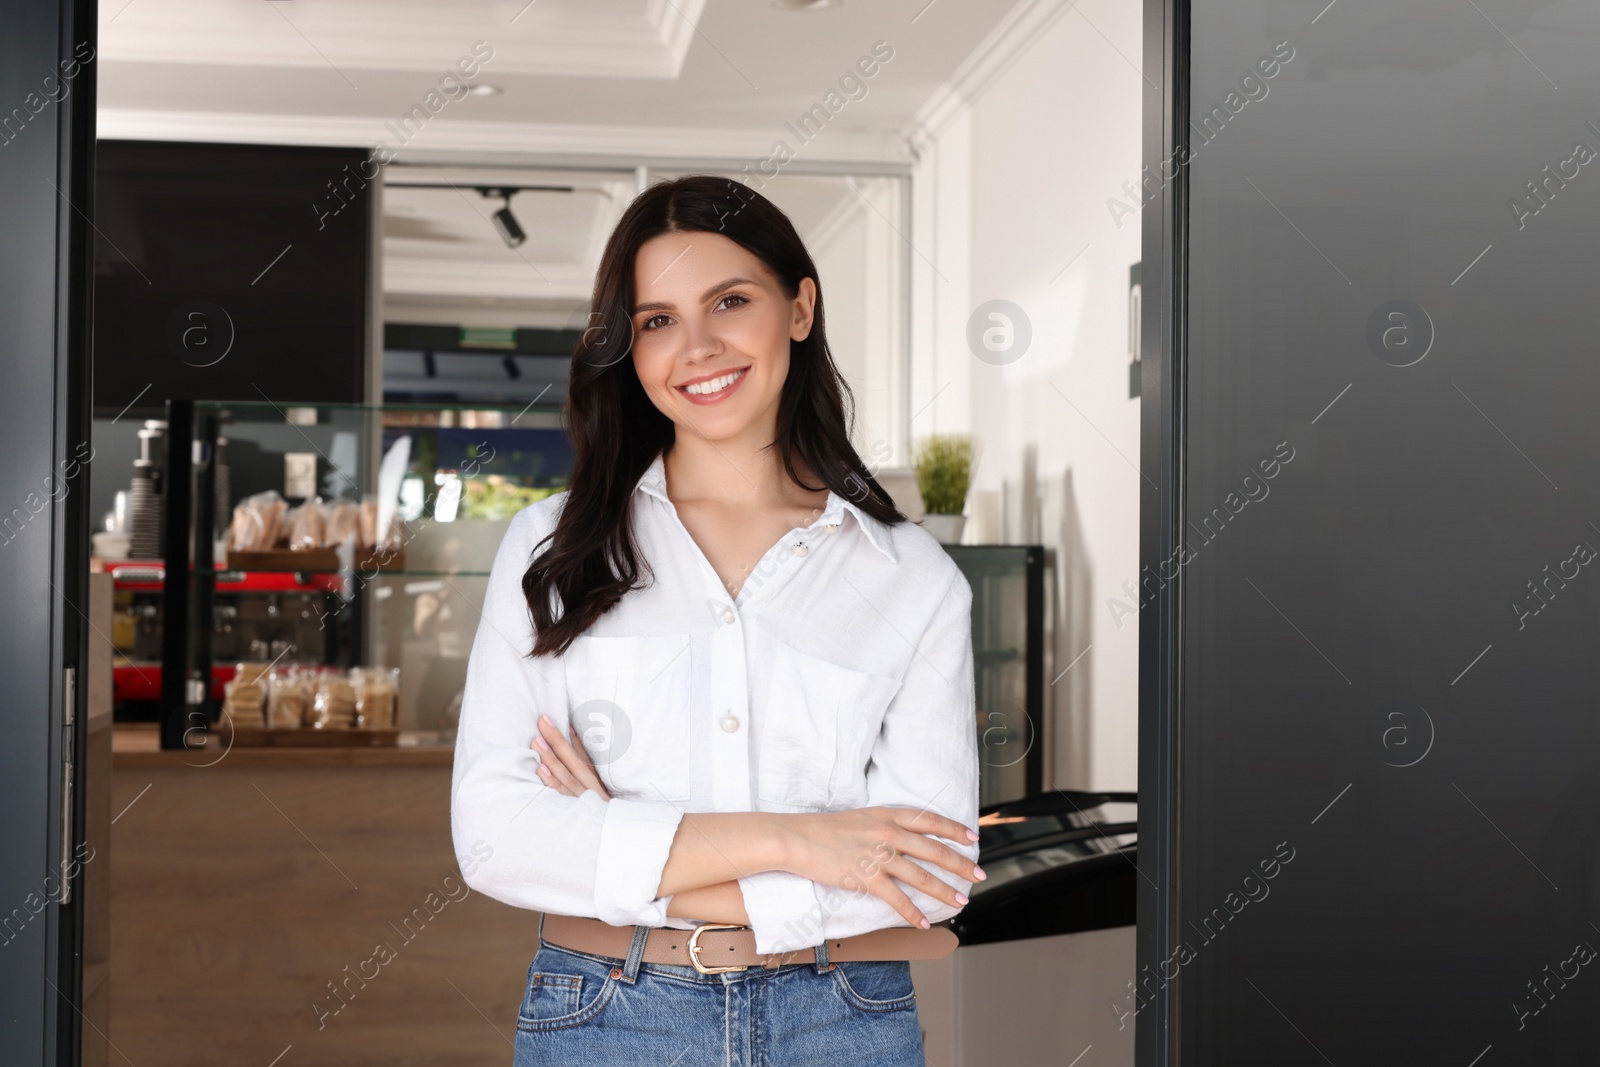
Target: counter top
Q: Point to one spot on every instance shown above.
(139, 745)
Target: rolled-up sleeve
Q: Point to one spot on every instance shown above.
(925, 757)
(517, 840)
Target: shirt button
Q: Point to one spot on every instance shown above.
(730, 723)
(727, 615)
(798, 549)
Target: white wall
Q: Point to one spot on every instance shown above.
(1016, 163)
(859, 258)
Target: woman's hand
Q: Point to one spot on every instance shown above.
(869, 849)
(563, 764)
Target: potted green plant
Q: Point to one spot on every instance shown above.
(944, 471)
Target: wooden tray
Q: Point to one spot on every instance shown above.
(308, 737)
(369, 560)
(281, 559)
(317, 560)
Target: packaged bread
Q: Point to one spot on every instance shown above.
(258, 522)
(250, 672)
(289, 693)
(243, 705)
(244, 699)
(334, 705)
(343, 524)
(394, 538)
(369, 521)
(377, 692)
(271, 508)
(245, 529)
(307, 526)
(291, 516)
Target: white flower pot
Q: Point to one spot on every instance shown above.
(946, 529)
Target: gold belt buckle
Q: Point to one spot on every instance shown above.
(695, 947)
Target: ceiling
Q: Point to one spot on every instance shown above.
(592, 38)
(442, 256)
(685, 78)
(440, 249)
(599, 87)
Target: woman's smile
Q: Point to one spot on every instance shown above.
(713, 388)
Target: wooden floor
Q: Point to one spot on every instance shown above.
(239, 892)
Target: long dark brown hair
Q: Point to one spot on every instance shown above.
(617, 431)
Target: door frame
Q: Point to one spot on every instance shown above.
(1163, 361)
(46, 286)
(46, 180)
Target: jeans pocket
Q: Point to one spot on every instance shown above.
(876, 985)
(563, 991)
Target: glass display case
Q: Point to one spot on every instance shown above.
(1008, 661)
(394, 513)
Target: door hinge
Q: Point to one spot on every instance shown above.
(69, 693)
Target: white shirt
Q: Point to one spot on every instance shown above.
(841, 676)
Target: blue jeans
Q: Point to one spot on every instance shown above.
(583, 1010)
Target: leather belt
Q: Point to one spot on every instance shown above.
(712, 948)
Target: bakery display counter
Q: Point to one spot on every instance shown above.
(314, 566)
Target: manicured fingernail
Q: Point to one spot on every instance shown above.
(548, 719)
(961, 898)
(977, 872)
(542, 743)
(972, 835)
(543, 769)
(924, 924)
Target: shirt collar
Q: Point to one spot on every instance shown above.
(654, 482)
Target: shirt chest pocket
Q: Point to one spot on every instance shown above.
(629, 699)
(817, 734)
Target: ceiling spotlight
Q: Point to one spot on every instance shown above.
(504, 221)
(805, 5)
(484, 89)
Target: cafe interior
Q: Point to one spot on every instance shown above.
(343, 252)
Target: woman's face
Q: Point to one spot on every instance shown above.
(711, 333)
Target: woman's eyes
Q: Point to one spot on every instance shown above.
(647, 323)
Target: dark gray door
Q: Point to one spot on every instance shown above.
(46, 144)
(1372, 640)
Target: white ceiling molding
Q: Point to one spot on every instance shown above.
(676, 26)
(455, 312)
(1018, 31)
(580, 38)
(417, 277)
(509, 140)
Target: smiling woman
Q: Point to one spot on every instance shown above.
(682, 771)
